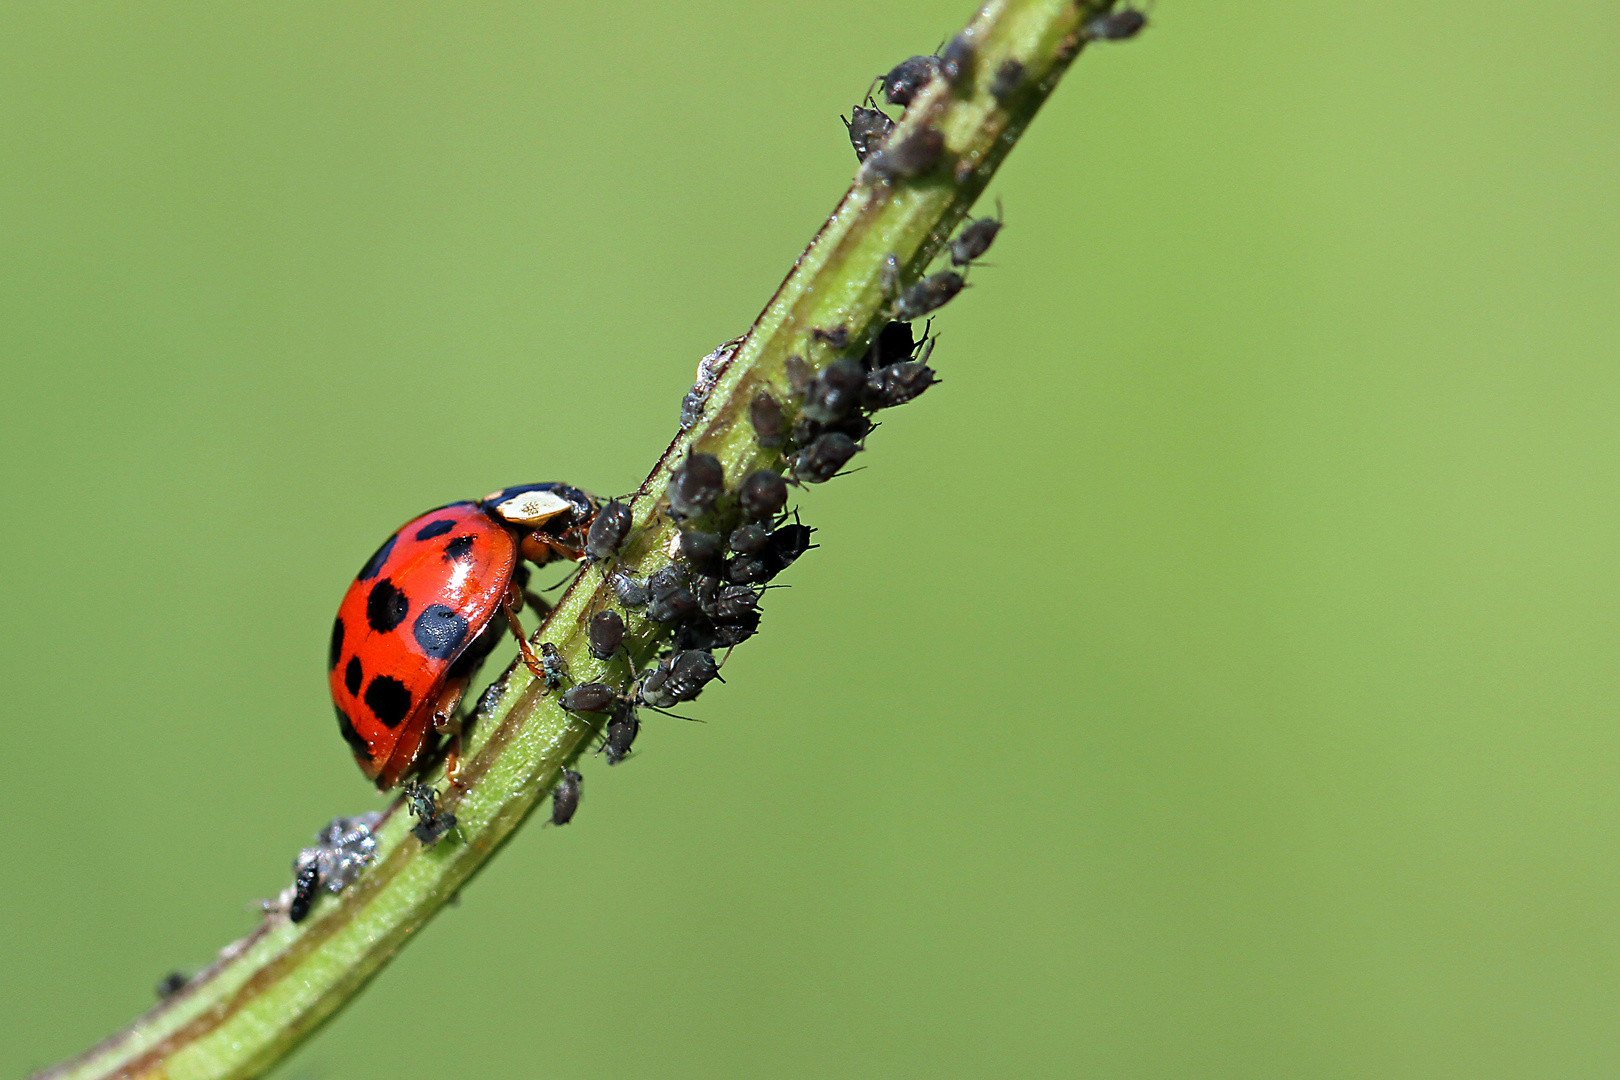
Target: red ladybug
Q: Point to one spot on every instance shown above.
(421, 616)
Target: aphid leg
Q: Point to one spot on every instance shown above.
(445, 723)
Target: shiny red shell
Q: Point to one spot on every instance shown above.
(410, 614)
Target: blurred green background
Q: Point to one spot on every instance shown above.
(1214, 677)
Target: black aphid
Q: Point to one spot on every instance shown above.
(867, 130)
(608, 530)
(696, 483)
(835, 392)
(769, 425)
(700, 548)
(763, 495)
(729, 603)
(1120, 25)
(913, 155)
(1008, 80)
(956, 60)
(908, 78)
(589, 697)
(632, 592)
(789, 542)
(678, 678)
(837, 337)
(607, 634)
(669, 598)
(897, 384)
(750, 569)
(823, 458)
(432, 822)
(799, 374)
(750, 539)
(171, 984)
(975, 238)
(622, 730)
(929, 294)
(565, 797)
(894, 342)
(305, 884)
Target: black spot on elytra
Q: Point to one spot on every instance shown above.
(353, 676)
(434, 528)
(337, 645)
(459, 548)
(386, 606)
(351, 736)
(375, 563)
(388, 700)
(440, 631)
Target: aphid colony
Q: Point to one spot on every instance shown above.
(435, 598)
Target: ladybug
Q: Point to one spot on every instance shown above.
(421, 616)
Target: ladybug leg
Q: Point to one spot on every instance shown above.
(514, 603)
(445, 723)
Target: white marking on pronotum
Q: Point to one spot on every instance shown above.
(532, 507)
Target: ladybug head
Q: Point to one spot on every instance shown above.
(555, 516)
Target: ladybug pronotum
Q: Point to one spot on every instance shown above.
(427, 608)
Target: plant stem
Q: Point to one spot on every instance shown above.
(269, 991)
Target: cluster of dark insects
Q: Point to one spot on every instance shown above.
(406, 642)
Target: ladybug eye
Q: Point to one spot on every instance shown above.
(532, 507)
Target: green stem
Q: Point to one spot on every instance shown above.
(271, 990)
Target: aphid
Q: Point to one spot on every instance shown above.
(608, 530)
(607, 634)
(929, 294)
(750, 539)
(897, 384)
(425, 609)
(956, 59)
(835, 392)
(908, 78)
(670, 600)
(632, 592)
(894, 342)
(789, 542)
(342, 849)
(837, 337)
(975, 238)
(678, 678)
(766, 414)
(589, 697)
(913, 155)
(798, 374)
(727, 603)
(709, 370)
(700, 548)
(305, 883)
(1120, 25)
(171, 984)
(723, 635)
(556, 668)
(432, 822)
(763, 495)
(1008, 80)
(622, 730)
(750, 569)
(821, 460)
(565, 797)
(696, 483)
(867, 130)
(491, 696)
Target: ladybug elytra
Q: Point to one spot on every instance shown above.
(421, 616)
